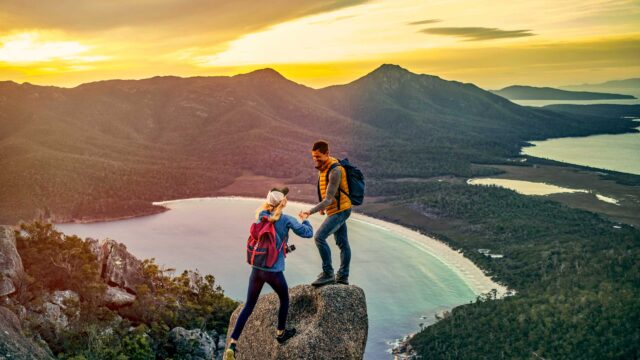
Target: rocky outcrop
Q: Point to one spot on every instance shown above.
(194, 344)
(52, 314)
(403, 350)
(13, 343)
(116, 298)
(63, 297)
(56, 310)
(331, 323)
(11, 269)
(116, 265)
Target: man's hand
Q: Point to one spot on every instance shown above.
(303, 215)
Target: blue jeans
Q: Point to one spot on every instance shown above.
(335, 224)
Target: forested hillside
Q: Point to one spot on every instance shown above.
(108, 149)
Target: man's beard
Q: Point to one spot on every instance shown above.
(321, 166)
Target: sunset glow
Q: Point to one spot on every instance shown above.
(321, 43)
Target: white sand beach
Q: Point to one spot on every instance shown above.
(465, 268)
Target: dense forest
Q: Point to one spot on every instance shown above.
(576, 276)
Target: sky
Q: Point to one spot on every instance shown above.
(320, 43)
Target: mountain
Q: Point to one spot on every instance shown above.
(625, 86)
(108, 149)
(439, 127)
(519, 92)
(633, 83)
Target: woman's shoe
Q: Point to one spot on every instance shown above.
(286, 335)
(230, 353)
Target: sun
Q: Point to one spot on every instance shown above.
(32, 47)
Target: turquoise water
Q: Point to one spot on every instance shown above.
(611, 152)
(402, 281)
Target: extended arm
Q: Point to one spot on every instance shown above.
(332, 188)
(303, 229)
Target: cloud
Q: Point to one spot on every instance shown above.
(103, 15)
(537, 64)
(332, 20)
(145, 31)
(424, 22)
(477, 33)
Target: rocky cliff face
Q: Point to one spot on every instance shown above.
(10, 263)
(331, 323)
(120, 270)
(117, 266)
(13, 342)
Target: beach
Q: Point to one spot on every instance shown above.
(475, 278)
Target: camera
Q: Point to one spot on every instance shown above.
(289, 248)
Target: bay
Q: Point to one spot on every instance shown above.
(405, 285)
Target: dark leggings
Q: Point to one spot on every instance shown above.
(279, 284)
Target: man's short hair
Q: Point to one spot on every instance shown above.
(321, 146)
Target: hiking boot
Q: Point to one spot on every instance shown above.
(340, 279)
(286, 335)
(230, 353)
(324, 279)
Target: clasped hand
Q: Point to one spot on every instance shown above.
(303, 215)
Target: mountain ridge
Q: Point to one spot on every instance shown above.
(523, 92)
(109, 149)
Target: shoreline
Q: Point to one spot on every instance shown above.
(472, 275)
(159, 210)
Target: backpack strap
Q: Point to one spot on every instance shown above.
(319, 194)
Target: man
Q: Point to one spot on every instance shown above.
(336, 204)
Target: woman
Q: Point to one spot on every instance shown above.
(276, 201)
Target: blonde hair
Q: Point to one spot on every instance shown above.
(276, 211)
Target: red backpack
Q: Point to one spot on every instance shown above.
(261, 245)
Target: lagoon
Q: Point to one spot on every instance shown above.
(404, 278)
(523, 187)
(535, 188)
(611, 152)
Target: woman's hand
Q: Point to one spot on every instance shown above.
(303, 215)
